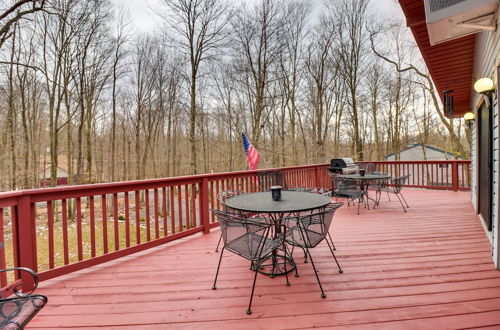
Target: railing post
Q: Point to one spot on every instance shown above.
(204, 212)
(454, 176)
(26, 238)
(316, 177)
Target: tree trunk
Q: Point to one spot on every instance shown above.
(192, 123)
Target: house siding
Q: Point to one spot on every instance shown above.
(487, 58)
(416, 153)
(494, 231)
(474, 165)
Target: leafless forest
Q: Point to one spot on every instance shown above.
(82, 91)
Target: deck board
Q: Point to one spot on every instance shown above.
(428, 268)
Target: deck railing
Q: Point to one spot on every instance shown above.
(431, 174)
(59, 230)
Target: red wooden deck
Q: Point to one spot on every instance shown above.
(429, 268)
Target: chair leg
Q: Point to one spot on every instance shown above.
(249, 310)
(284, 264)
(379, 197)
(334, 257)
(331, 241)
(218, 267)
(407, 206)
(323, 295)
(220, 239)
(296, 268)
(400, 202)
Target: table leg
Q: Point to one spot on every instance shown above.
(279, 259)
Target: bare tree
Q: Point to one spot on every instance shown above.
(157, 106)
(323, 71)
(200, 27)
(57, 34)
(142, 83)
(120, 39)
(14, 12)
(350, 16)
(425, 83)
(291, 66)
(258, 44)
(374, 84)
(11, 119)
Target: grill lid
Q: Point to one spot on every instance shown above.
(341, 162)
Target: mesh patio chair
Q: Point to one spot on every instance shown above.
(380, 186)
(249, 238)
(395, 187)
(349, 189)
(320, 191)
(221, 197)
(267, 179)
(368, 167)
(18, 310)
(323, 192)
(308, 231)
(332, 176)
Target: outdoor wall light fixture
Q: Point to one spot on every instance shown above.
(484, 86)
(469, 118)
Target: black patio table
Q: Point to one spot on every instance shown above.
(291, 203)
(364, 181)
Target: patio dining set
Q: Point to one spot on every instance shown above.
(358, 182)
(264, 227)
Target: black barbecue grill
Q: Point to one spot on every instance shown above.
(343, 165)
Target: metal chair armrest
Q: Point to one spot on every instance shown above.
(28, 270)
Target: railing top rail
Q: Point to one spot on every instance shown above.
(111, 187)
(8, 194)
(459, 161)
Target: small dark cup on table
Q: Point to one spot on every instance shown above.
(276, 193)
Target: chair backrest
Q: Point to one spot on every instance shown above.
(346, 185)
(18, 310)
(399, 182)
(315, 226)
(320, 191)
(243, 236)
(368, 167)
(332, 176)
(267, 179)
(223, 195)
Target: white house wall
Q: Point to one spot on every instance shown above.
(416, 153)
(486, 60)
(444, 178)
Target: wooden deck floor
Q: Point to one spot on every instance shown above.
(429, 268)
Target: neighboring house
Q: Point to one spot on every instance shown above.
(62, 177)
(460, 43)
(415, 151)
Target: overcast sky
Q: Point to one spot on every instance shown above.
(145, 20)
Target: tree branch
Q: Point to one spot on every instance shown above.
(20, 64)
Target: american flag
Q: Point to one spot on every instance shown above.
(253, 156)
